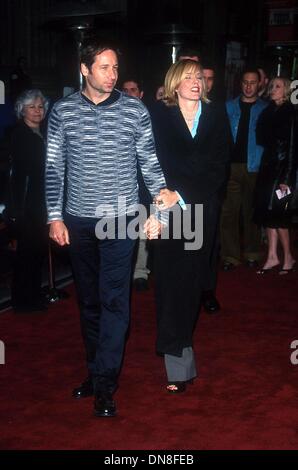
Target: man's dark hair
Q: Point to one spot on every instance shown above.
(90, 48)
(250, 70)
(131, 78)
(208, 65)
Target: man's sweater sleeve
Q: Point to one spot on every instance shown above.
(151, 171)
(55, 167)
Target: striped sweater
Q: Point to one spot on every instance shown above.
(92, 155)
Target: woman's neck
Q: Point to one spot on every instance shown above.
(279, 102)
(32, 125)
(188, 106)
(189, 110)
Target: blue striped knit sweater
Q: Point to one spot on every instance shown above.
(94, 150)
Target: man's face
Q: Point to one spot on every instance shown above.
(131, 88)
(264, 79)
(159, 95)
(103, 74)
(208, 75)
(250, 85)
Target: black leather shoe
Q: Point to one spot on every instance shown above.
(104, 405)
(140, 284)
(84, 390)
(210, 302)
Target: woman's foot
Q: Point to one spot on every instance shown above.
(178, 386)
(270, 265)
(288, 267)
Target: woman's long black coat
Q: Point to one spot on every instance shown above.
(27, 207)
(197, 169)
(278, 165)
(27, 198)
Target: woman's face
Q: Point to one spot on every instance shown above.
(190, 87)
(277, 91)
(34, 113)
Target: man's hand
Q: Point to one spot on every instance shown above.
(59, 233)
(166, 199)
(152, 228)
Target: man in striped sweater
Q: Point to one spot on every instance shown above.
(95, 139)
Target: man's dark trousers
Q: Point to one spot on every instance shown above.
(102, 271)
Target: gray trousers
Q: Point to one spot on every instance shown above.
(181, 369)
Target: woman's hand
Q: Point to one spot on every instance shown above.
(59, 232)
(166, 199)
(284, 188)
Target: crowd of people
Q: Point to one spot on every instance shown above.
(226, 170)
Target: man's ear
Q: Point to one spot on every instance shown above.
(141, 95)
(84, 70)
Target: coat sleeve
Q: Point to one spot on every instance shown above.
(149, 166)
(147, 159)
(289, 173)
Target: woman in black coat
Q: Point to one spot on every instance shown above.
(276, 133)
(191, 137)
(27, 201)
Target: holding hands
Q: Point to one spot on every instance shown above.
(152, 228)
(166, 199)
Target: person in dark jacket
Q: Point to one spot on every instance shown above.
(277, 175)
(27, 201)
(191, 137)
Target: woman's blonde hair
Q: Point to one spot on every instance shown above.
(175, 76)
(287, 85)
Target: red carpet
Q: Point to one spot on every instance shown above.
(245, 398)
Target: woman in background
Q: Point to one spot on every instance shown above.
(276, 132)
(28, 201)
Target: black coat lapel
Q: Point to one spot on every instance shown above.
(204, 122)
(181, 128)
(179, 125)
